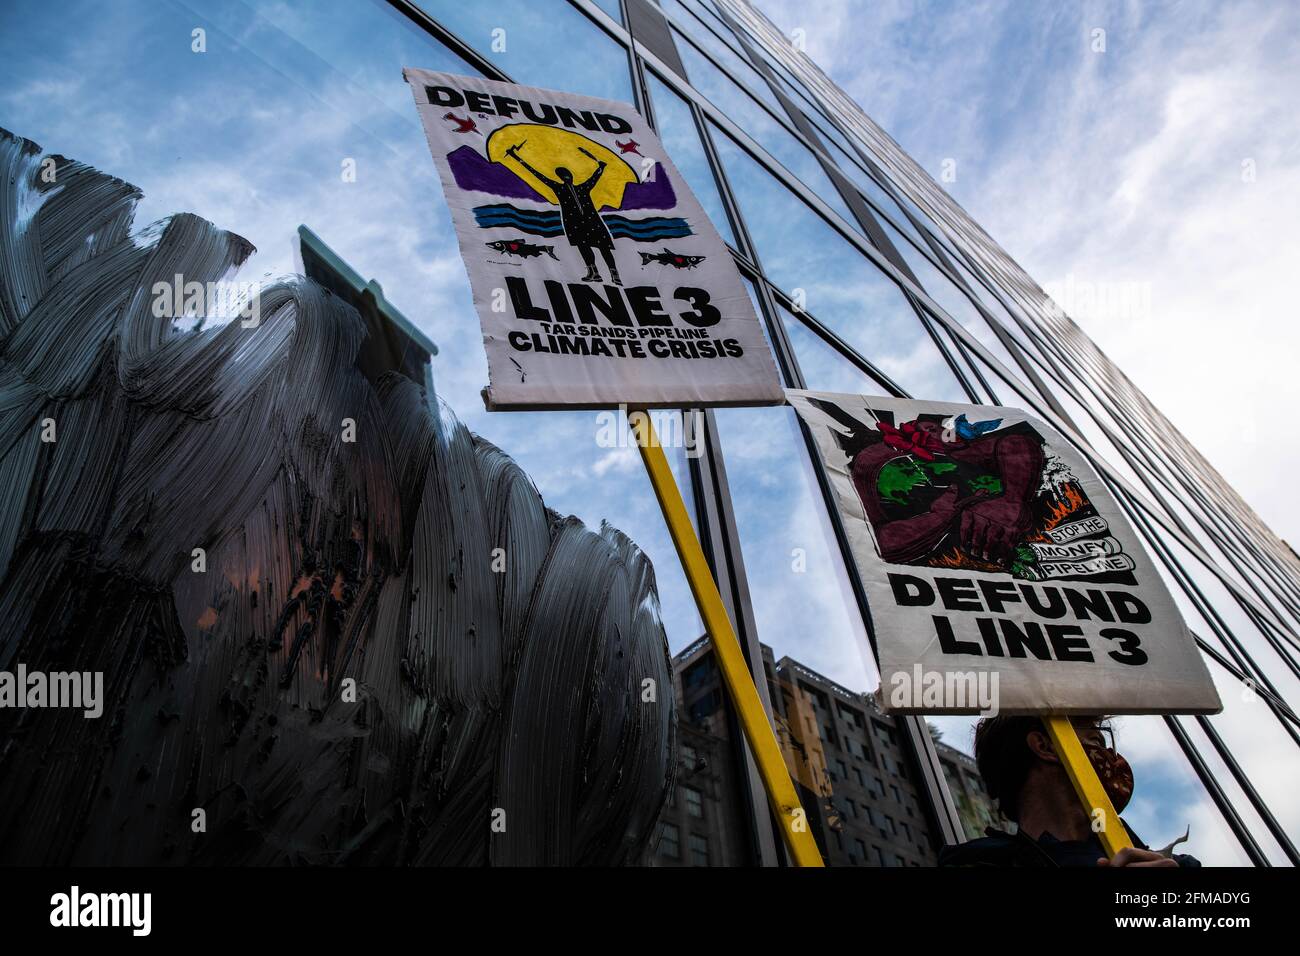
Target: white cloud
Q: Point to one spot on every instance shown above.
(620, 461)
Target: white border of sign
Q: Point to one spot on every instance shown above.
(1172, 679)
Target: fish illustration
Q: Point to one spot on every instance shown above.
(670, 258)
(524, 250)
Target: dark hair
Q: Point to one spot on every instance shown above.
(1004, 759)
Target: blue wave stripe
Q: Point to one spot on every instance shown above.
(650, 236)
(549, 224)
(533, 220)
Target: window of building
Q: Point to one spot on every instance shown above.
(949, 297)
(536, 30)
(699, 847)
(799, 250)
(681, 139)
(850, 716)
(612, 8)
(689, 759)
(694, 801)
(885, 733)
(817, 698)
(717, 85)
(823, 368)
(697, 674)
(670, 841)
(706, 705)
(715, 36)
(741, 108)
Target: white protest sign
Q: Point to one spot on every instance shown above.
(999, 570)
(597, 277)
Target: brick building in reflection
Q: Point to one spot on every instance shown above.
(842, 752)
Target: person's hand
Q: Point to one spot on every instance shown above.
(1132, 856)
(991, 528)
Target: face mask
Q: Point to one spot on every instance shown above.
(1115, 774)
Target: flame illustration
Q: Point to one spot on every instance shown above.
(1072, 501)
(957, 558)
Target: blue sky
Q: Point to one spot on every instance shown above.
(1114, 168)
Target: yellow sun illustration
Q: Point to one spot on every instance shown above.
(547, 149)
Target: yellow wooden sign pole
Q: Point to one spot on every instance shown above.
(1087, 784)
(735, 672)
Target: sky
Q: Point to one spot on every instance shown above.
(1147, 176)
(1113, 168)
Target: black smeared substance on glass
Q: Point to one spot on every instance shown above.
(326, 560)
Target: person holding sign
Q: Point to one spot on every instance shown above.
(1026, 777)
(583, 226)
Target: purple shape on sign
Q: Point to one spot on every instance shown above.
(475, 172)
(654, 193)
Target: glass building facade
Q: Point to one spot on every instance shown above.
(869, 279)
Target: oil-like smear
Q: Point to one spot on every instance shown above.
(513, 706)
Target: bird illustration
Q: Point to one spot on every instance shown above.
(466, 125)
(969, 430)
(631, 146)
